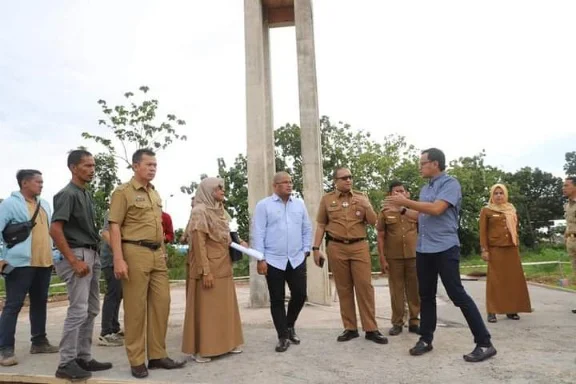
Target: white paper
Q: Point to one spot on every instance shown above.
(248, 251)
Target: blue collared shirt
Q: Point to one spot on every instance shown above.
(439, 233)
(281, 231)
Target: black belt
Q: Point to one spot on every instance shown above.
(143, 243)
(348, 241)
(92, 247)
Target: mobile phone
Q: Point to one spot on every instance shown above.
(6, 270)
(321, 262)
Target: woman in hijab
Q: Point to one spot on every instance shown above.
(212, 322)
(506, 289)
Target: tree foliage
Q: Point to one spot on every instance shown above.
(570, 166)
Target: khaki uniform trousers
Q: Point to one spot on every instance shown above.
(403, 284)
(571, 249)
(146, 304)
(352, 271)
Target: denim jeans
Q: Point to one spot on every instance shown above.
(446, 264)
(35, 282)
(111, 305)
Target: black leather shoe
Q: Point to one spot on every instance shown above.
(395, 330)
(73, 372)
(348, 335)
(282, 345)
(376, 337)
(93, 365)
(492, 318)
(513, 316)
(294, 339)
(480, 354)
(574, 311)
(165, 363)
(414, 329)
(421, 348)
(139, 371)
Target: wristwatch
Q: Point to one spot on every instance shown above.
(315, 248)
(403, 211)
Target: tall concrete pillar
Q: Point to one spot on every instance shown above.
(312, 170)
(259, 16)
(259, 125)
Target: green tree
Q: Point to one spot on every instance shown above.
(537, 196)
(103, 185)
(475, 179)
(570, 166)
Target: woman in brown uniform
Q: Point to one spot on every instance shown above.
(212, 322)
(506, 290)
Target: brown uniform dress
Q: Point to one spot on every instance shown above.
(138, 212)
(351, 265)
(570, 215)
(401, 235)
(212, 325)
(506, 289)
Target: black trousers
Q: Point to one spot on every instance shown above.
(111, 305)
(296, 280)
(446, 264)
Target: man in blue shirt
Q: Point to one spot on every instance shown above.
(282, 231)
(438, 253)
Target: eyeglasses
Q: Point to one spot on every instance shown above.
(344, 178)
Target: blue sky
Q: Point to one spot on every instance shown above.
(460, 75)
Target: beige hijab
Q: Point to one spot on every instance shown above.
(209, 215)
(507, 209)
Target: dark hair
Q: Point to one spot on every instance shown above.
(394, 184)
(572, 179)
(336, 170)
(434, 154)
(137, 156)
(75, 157)
(25, 175)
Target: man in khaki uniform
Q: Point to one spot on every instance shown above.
(343, 215)
(140, 260)
(397, 236)
(569, 191)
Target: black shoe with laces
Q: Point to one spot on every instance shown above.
(421, 348)
(348, 334)
(93, 365)
(293, 337)
(282, 345)
(376, 337)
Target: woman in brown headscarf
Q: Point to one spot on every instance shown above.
(506, 289)
(212, 322)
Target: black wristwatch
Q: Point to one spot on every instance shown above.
(403, 211)
(315, 248)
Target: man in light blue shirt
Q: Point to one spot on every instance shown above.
(438, 253)
(282, 231)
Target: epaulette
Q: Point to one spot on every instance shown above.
(122, 187)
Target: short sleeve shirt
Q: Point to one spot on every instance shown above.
(400, 235)
(439, 233)
(73, 205)
(344, 218)
(138, 212)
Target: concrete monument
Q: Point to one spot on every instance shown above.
(259, 17)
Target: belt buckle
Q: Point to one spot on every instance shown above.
(346, 241)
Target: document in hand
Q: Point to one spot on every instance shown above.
(248, 251)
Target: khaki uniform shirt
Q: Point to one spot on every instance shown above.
(343, 218)
(401, 235)
(570, 216)
(138, 212)
(493, 229)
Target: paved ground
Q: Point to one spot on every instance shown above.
(540, 348)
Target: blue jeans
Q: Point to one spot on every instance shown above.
(35, 282)
(446, 264)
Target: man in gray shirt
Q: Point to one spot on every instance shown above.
(77, 263)
(438, 253)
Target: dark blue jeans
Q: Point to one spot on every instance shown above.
(111, 305)
(35, 282)
(446, 264)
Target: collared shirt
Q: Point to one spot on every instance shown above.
(439, 233)
(344, 218)
(73, 205)
(138, 212)
(281, 231)
(400, 235)
(167, 228)
(570, 216)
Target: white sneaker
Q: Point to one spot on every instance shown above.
(110, 340)
(200, 359)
